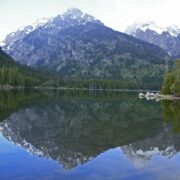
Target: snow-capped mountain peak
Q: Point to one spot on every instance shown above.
(78, 15)
(31, 27)
(166, 37)
(40, 22)
(73, 13)
(23, 31)
(144, 26)
(71, 17)
(173, 30)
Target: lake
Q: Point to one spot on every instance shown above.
(87, 135)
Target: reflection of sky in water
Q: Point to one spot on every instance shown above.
(86, 132)
(16, 163)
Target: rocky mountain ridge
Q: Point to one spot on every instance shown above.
(60, 22)
(168, 38)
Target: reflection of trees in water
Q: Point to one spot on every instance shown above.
(166, 143)
(14, 100)
(75, 127)
(171, 113)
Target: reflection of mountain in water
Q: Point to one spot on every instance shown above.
(73, 131)
(165, 144)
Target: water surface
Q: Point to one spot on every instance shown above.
(88, 135)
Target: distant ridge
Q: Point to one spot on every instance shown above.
(167, 38)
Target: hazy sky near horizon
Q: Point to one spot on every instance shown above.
(117, 14)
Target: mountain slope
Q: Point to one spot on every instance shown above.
(167, 38)
(22, 32)
(78, 45)
(14, 74)
(72, 17)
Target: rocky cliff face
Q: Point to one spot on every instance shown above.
(43, 31)
(167, 38)
(22, 33)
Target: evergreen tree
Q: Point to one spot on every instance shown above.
(171, 83)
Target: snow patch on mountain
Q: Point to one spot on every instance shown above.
(74, 13)
(22, 32)
(2, 44)
(29, 28)
(173, 30)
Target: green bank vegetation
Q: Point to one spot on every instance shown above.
(171, 85)
(14, 74)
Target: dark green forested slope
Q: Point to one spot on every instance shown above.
(14, 74)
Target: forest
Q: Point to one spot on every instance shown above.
(14, 74)
(171, 84)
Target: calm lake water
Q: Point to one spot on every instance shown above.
(88, 136)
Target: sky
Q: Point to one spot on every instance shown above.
(117, 14)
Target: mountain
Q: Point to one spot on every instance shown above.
(76, 44)
(71, 17)
(22, 32)
(168, 38)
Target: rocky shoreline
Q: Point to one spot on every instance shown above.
(157, 96)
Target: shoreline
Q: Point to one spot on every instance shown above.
(169, 97)
(147, 94)
(157, 96)
(78, 89)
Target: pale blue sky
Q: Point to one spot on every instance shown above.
(114, 13)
